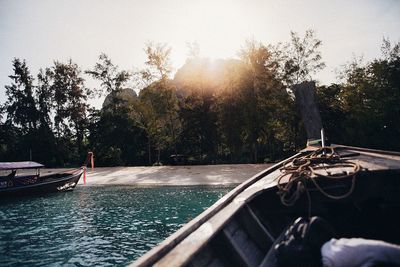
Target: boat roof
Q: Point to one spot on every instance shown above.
(20, 165)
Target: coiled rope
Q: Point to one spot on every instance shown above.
(292, 183)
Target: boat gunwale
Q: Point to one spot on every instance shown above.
(152, 256)
(368, 150)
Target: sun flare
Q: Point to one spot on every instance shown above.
(214, 26)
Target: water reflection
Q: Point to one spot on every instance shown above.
(102, 226)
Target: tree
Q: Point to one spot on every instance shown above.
(22, 115)
(363, 110)
(112, 80)
(298, 59)
(199, 81)
(70, 97)
(45, 97)
(158, 62)
(115, 135)
(231, 121)
(152, 118)
(390, 52)
(268, 111)
(4, 142)
(331, 107)
(256, 58)
(159, 106)
(199, 126)
(193, 50)
(370, 98)
(20, 104)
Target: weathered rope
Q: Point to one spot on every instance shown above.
(306, 168)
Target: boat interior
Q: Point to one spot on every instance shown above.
(372, 212)
(19, 177)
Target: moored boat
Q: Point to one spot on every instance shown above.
(24, 178)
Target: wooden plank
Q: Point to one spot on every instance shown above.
(243, 242)
(204, 258)
(216, 263)
(237, 253)
(256, 229)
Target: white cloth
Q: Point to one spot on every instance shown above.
(351, 252)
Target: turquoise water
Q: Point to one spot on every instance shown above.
(101, 226)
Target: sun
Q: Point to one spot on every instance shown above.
(214, 26)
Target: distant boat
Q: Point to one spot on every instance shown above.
(23, 178)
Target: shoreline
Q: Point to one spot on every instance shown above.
(170, 175)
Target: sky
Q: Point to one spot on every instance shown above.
(41, 31)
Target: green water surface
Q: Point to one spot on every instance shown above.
(96, 225)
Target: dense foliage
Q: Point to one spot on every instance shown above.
(223, 111)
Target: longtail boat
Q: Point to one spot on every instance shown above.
(24, 178)
(356, 190)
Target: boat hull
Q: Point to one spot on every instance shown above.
(44, 184)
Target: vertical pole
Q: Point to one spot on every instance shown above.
(84, 175)
(92, 161)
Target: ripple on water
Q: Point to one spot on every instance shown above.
(102, 226)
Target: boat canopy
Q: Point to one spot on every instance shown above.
(20, 165)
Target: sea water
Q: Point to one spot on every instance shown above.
(96, 225)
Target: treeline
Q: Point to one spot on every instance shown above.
(224, 111)
(364, 110)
